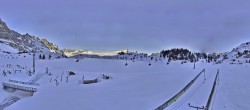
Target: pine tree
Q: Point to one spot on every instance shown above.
(43, 56)
(49, 57)
(169, 59)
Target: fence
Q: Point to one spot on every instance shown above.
(25, 83)
(30, 89)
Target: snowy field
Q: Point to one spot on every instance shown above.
(137, 86)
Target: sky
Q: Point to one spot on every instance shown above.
(142, 25)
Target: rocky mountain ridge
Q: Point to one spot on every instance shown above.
(24, 43)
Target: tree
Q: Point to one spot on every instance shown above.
(169, 59)
(43, 57)
(191, 57)
(204, 55)
(181, 57)
(49, 56)
(40, 56)
(239, 54)
(121, 53)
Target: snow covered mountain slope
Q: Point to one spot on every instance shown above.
(13, 42)
(240, 53)
(242, 47)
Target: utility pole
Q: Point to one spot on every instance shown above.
(34, 63)
(34, 54)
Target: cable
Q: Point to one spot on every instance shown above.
(185, 89)
(183, 101)
(189, 95)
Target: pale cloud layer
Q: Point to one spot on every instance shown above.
(144, 25)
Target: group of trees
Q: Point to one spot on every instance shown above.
(182, 54)
(214, 57)
(177, 54)
(121, 53)
(245, 52)
(131, 56)
(171, 55)
(43, 57)
(185, 54)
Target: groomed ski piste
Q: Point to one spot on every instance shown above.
(136, 86)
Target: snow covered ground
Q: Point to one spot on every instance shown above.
(4, 47)
(137, 86)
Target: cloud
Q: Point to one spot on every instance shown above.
(146, 25)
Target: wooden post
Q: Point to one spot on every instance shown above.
(47, 70)
(62, 76)
(67, 79)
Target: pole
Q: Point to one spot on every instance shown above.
(34, 70)
(194, 64)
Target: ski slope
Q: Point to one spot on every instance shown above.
(136, 86)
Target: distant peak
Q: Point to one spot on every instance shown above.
(3, 26)
(27, 34)
(1, 22)
(244, 44)
(242, 47)
(248, 43)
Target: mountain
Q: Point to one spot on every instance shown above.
(13, 42)
(243, 47)
(51, 46)
(71, 53)
(240, 52)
